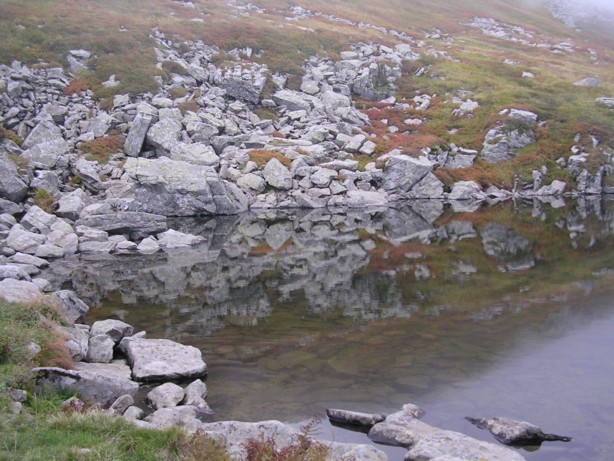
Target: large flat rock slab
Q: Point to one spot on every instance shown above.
(162, 359)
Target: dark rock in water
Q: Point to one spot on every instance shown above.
(354, 418)
(513, 432)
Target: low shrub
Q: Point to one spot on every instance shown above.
(262, 156)
(44, 200)
(101, 149)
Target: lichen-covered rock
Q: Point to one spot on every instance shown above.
(402, 173)
(136, 135)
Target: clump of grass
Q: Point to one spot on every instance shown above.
(173, 67)
(188, 106)
(21, 162)
(44, 200)
(19, 326)
(101, 149)
(9, 134)
(177, 92)
(305, 449)
(262, 156)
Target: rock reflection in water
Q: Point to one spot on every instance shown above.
(364, 310)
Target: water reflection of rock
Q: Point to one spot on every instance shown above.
(251, 258)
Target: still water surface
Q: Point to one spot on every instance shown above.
(499, 311)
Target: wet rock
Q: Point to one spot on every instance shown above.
(162, 359)
(512, 432)
(92, 386)
(167, 395)
(453, 444)
(114, 329)
(354, 418)
(503, 143)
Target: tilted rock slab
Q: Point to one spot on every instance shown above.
(162, 359)
(512, 432)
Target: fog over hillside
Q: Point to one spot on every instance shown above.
(575, 12)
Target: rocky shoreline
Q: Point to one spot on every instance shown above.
(112, 363)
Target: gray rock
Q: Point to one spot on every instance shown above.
(402, 428)
(504, 143)
(114, 329)
(195, 393)
(20, 292)
(184, 416)
(71, 205)
(97, 247)
(134, 413)
(512, 432)
(100, 349)
(93, 386)
(402, 173)
(588, 82)
(148, 246)
(162, 359)
(8, 271)
(454, 444)
(18, 395)
(173, 239)
(116, 216)
(466, 190)
(366, 199)
(197, 153)
(310, 87)
(70, 306)
(19, 239)
(46, 155)
(37, 220)
(163, 135)
(292, 100)
(253, 182)
(88, 172)
(45, 132)
(174, 188)
(354, 418)
(21, 258)
(50, 251)
(136, 135)
(8, 207)
(77, 341)
(606, 102)
(322, 177)
(167, 395)
(277, 175)
(122, 403)
(12, 186)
